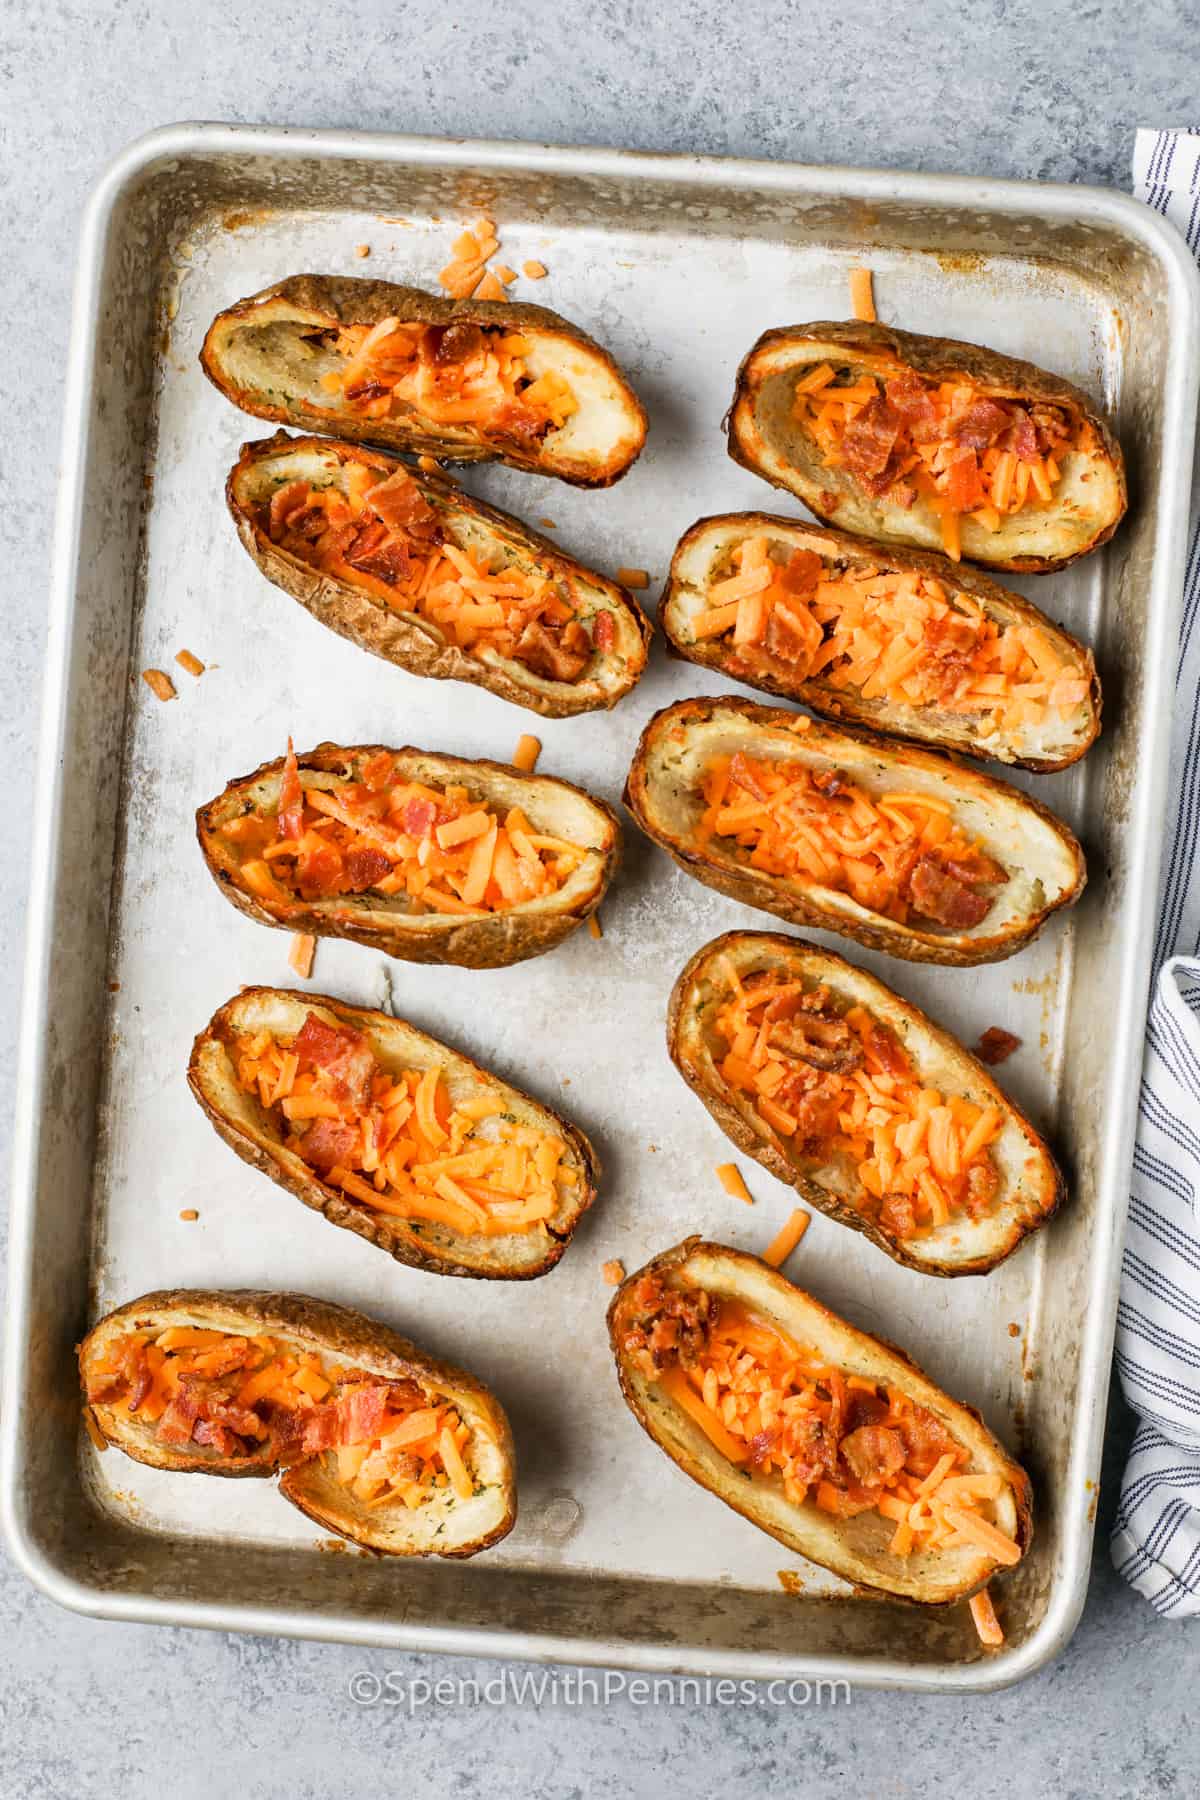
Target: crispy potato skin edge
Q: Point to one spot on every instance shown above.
(765, 893)
(336, 1330)
(349, 300)
(385, 1233)
(665, 1264)
(846, 706)
(932, 356)
(364, 620)
(778, 1164)
(493, 942)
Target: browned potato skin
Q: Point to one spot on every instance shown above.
(883, 1361)
(768, 893)
(770, 949)
(315, 1325)
(938, 359)
(340, 300)
(945, 731)
(392, 1235)
(492, 941)
(368, 622)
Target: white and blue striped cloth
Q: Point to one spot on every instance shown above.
(1156, 1538)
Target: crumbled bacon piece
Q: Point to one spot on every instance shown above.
(873, 1454)
(364, 867)
(343, 1056)
(291, 797)
(555, 659)
(936, 894)
(402, 506)
(329, 1144)
(996, 1045)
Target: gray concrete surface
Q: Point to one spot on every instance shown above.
(1031, 88)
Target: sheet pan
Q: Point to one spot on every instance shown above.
(676, 264)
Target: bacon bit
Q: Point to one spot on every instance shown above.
(996, 1045)
(525, 755)
(1014, 1330)
(594, 926)
(730, 1177)
(191, 663)
(362, 250)
(613, 1272)
(303, 949)
(786, 1239)
(862, 295)
(534, 271)
(489, 289)
(633, 578)
(547, 525)
(159, 683)
(983, 1616)
(189, 1215)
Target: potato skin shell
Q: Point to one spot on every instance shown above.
(935, 358)
(845, 704)
(334, 1330)
(492, 942)
(364, 620)
(769, 895)
(387, 1234)
(765, 1152)
(895, 1361)
(350, 300)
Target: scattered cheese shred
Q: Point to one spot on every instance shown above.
(785, 1240)
(730, 1177)
(633, 578)
(862, 295)
(300, 955)
(534, 271)
(191, 663)
(159, 683)
(189, 1215)
(594, 925)
(362, 250)
(526, 753)
(93, 1430)
(613, 1272)
(983, 1615)
(489, 289)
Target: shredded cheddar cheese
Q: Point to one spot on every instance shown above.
(901, 855)
(845, 1442)
(965, 451)
(833, 1082)
(433, 849)
(255, 1397)
(883, 634)
(382, 536)
(396, 1141)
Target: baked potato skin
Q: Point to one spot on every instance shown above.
(491, 941)
(210, 1084)
(786, 902)
(754, 950)
(936, 358)
(314, 1324)
(398, 638)
(319, 301)
(941, 730)
(865, 1354)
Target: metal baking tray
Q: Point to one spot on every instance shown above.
(676, 264)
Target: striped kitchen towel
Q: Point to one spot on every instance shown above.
(1156, 1539)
